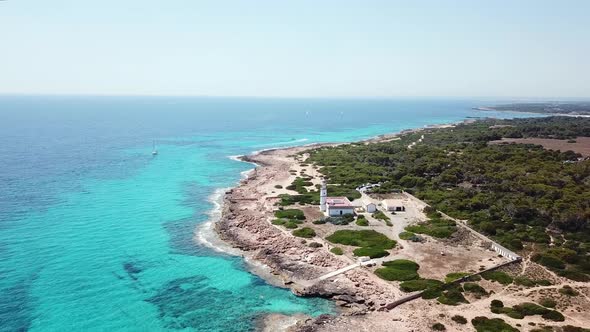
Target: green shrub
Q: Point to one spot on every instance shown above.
(419, 284)
(548, 303)
(497, 304)
(498, 276)
(570, 328)
(548, 260)
(568, 290)
(459, 319)
(278, 222)
(455, 276)
(452, 297)
(484, 324)
(530, 309)
(372, 252)
(362, 222)
(439, 327)
(399, 269)
(574, 275)
(524, 281)
(402, 264)
(406, 235)
(315, 245)
(304, 232)
(337, 251)
(474, 289)
(432, 293)
(543, 282)
(319, 222)
(379, 215)
(290, 224)
(361, 238)
(553, 315)
(290, 214)
(278, 186)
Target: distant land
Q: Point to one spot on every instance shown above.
(569, 108)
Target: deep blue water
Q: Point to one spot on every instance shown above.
(96, 234)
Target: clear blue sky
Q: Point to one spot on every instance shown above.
(296, 48)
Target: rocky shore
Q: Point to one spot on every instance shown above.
(245, 224)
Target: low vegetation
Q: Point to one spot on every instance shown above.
(435, 226)
(379, 215)
(439, 327)
(484, 324)
(419, 284)
(290, 214)
(399, 270)
(362, 221)
(568, 290)
(455, 276)
(337, 251)
(519, 194)
(459, 319)
(498, 276)
(304, 232)
(371, 243)
(526, 309)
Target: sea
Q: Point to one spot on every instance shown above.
(97, 234)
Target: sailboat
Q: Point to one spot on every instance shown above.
(154, 151)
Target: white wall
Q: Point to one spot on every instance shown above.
(334, 212)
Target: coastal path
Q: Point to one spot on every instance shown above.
(344, 269)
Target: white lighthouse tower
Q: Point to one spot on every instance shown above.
(323, 196)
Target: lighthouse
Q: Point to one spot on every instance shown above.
(323, 196)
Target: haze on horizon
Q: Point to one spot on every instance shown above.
(296, 48)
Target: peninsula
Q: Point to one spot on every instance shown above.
(476, 226)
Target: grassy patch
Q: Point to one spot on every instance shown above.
(379, 215)
(290, 214)
(452, 296)
(419, 284)
(569, 291)
(304, 232)
(497, 276)
(399, 269)
(406, 236)
(484, 324)
(372, 243)
(474, 289)
(337, 251)
(548, 303)
(362, 222)
(455, 276)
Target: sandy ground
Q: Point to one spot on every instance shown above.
(581, 146)
(285, 260)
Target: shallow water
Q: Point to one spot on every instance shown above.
(96, 234)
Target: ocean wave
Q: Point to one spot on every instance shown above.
(205, 233)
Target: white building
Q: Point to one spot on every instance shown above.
(371, 207)
(338, 206)
(394, 205)
(334, 206)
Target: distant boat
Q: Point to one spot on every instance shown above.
(154, 150)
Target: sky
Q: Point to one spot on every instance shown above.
(303, 48)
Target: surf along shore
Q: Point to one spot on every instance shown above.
(284, 260)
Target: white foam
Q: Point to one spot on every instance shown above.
(205, 232)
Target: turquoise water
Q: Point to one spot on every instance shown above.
(98, 235)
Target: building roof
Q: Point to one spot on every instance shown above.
(338, 202)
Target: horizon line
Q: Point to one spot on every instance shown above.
(514, 98)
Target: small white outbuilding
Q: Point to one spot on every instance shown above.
(371, 207)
